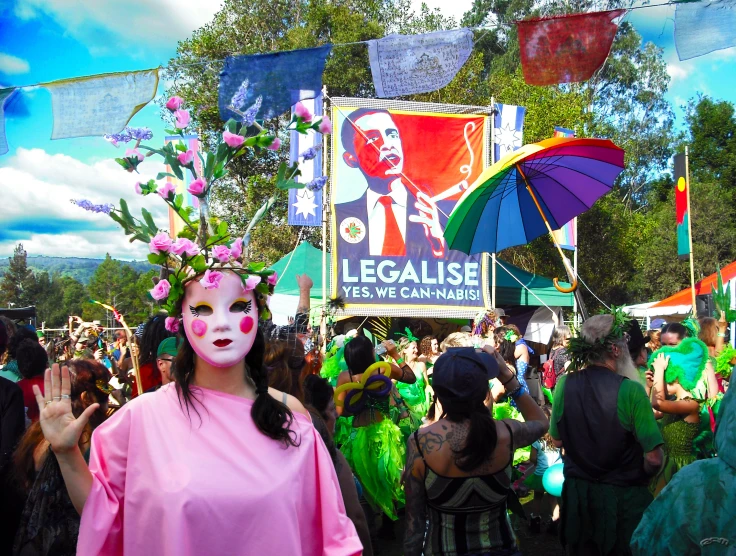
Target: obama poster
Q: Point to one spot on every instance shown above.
(398, 169)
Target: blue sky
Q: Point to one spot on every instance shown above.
(45, 40)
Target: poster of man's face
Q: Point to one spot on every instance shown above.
(396, 178)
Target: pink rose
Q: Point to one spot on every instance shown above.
(182, 119)
(272, 279)
(161, 290)
(325, 126)
(174, 103)
(233, 139)
(167, 188)
(197, 187)
(160, 243)
(275, 145)
(211, 279)
(184, 246)
(221, 253)
(185, 159)
(138, 188)
(236, 249)
(172, 324)
(251, 282)
(303, 112)
(135, 153)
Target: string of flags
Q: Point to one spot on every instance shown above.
(561, 49)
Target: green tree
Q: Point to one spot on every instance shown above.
(712, 140)
(119, 285)
(16, 280)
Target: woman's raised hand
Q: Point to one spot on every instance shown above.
(59, 426)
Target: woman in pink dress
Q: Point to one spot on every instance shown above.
(214, 463)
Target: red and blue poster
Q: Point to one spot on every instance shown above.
(682, 208)
(396, 176)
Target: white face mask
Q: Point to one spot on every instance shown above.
(220, 323)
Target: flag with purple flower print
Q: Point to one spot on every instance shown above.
(305, 205)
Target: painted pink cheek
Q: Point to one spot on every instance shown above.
(199, 327)
(246, 325)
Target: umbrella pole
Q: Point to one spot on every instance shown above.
(574, 284)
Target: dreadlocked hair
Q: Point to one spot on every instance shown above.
(270, 416)
(154, 332)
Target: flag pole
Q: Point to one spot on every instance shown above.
(325, 200)
(690, 231)
(575, 269)
(493, 161)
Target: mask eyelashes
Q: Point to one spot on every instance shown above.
(194, 311)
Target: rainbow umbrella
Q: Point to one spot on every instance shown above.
(532, 191)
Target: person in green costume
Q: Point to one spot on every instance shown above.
(695, 512)
(374, 448)
(418, 395)
(677, 394)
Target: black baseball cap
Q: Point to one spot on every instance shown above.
(463, 373)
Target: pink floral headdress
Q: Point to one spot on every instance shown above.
(201, 252)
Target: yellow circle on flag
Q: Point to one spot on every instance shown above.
(681, 184)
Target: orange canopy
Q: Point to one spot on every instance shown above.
(705, 286)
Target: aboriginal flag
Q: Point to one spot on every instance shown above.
(682, 207)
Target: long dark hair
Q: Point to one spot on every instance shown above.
(270, 416)
(482, 437)
(359, 354)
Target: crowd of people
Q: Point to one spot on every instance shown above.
(272, 446)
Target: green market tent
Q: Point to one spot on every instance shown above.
(305, 259)
(510, 293)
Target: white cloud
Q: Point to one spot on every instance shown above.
(36, 190)
(12, 65)
(131, 22)
(677, 72)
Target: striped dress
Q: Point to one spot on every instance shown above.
(467, 516)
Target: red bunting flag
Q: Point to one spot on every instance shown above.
(565, 49)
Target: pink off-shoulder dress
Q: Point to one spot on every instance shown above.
(170, 484)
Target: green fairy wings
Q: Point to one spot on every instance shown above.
(687, 362)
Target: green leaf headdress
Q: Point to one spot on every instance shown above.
(202, 251)
(582, 352)
(406, 337)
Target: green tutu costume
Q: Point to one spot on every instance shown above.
(416, 397)
(678, 436)
(375, 452)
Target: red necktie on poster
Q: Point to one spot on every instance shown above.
(565, 49)
(393, 243)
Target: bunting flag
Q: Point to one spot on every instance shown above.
(5, 95)
(508, 129)
(682, 207)
(566, 236)
(192, 143)
(281, 78)
(703, 27)
(565, 49)
(305, 206)
(101, 104)
(410, 64)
